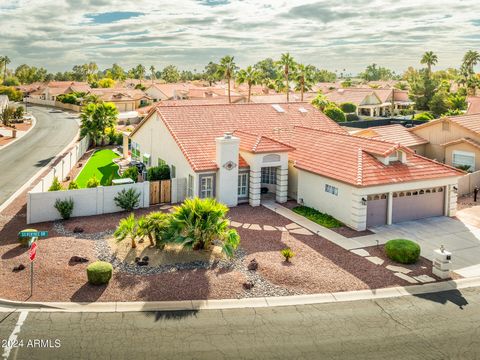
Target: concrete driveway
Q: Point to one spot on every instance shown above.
(458, 236)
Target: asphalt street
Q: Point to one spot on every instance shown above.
(433, 326)
(24, 158)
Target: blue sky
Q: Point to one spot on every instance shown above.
(337, 35)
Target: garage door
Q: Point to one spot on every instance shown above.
(376, 210)
(419, 204)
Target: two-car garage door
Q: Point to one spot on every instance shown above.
(407, 205)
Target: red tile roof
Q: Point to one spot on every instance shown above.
(395, 133)
(260, 144)
(473, 105)
(463, 140)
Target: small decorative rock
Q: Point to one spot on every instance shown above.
(137, 259)
(19, 268)
(78, 259)
(145, 258)
(142, 263)
(248, 285)
(78, 230)
(253, 265)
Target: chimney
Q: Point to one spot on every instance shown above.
(227, 151)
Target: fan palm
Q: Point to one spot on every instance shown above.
(227, 70)
(96, 119)
(4, 60)
(429, 59)
(251, 77)
(151, 226)
(127, 228)
(304, 78)
(320, 102)
(470, 59)
(152, 72)
(287, 66)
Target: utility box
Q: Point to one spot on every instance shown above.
(442, 263)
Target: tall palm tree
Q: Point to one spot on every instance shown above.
(429, 59)
(250, 76)
(227, 70)
(140, 72)
(468, 78)
(304, 76)
(96, 118)
(127, 228)
(5, 60)
(470, 59)
(152, 72)
(287, 66)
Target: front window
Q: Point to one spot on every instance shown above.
(269, 175)
(331, 189)
(206, 187)
(464, 160)
(242, 185)
(173, 172)
(190, 186)
(135, 150)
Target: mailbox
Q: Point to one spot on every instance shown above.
(442, 263)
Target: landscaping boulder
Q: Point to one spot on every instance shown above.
(253, 265)
(145, 258)
(137, 259)
(78, 259)
(142, 263)
(19, 268)
(248, 285)
(78, 230)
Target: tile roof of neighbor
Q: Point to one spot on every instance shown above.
(170, 89)
(473, 105)
(320, 145)
(395, 133)
(259, 143)
(349, 95)
(468, 121)
(116, 94)
(463, 140)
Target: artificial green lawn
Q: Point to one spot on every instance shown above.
(325, 220)
(101, 165)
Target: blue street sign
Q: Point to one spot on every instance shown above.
(33, 233)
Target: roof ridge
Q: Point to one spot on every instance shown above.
(240, 104)
(359, 179)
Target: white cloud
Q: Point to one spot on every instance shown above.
(331, 34)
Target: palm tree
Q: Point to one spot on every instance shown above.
(429, 59)
(140, 72)
(96, 118)
(470, 59)
(151, 226)
(320, 102)
(4, 61)
(304, 78)
(152, 72)
(127, 227)
(287, 66)
(199, 222)
(250, 76)
(227, 70)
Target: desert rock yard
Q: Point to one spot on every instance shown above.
(317, 266)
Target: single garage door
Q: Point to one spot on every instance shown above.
(376, 210)
(419, 204)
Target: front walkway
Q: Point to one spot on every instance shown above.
(461, 237)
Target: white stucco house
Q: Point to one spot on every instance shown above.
(246, 152)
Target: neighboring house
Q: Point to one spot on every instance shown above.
(232, 151)
(473, 105)
(124, 99)
(3, 102)
(52, 89)
(453, 140)
(160, 92)
(372, 102)
(395, 133)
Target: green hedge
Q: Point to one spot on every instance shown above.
(402, 251)
(99, 272)
(161, 172)
(316, 216)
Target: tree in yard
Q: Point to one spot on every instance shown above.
(151, 226)
(96, 119)
(227, 70)
(438, 105)
(268, 70)
(250, 76)
(468, 78)
(287, 66)
(7, 115)
(197, 223)
(334, 113)
(106, 83)
(429, 59)
(304, 78)
(127, 228)
(152, 73)
(116, 72)
(375, 73)
(4, 60)
(212, 73)
(140, 72)
(170, 74)
(320, 102)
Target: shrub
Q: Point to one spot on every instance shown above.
(93, 182)
(56, 185)
(318, 217)
(99, 272)
(131, 172)
(402, 251)
(119, 138)
(64, 207)
(161, 172)
(424, 116)
(73, 185)
(352, 117)
(24, 241)
(287, 253)
(348, 107)
(127, 199)
(463, 167)
(334, 113)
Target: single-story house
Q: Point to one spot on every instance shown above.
(395, 133)
(247, 152)
(159, 92)
(52, 89)
(3, 102)
(453, 140)
(124, 99)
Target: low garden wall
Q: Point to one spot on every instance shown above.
(32, 100)
(87, 202)
(72, 107)
(467, 183)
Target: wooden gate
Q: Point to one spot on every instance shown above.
(160, 192)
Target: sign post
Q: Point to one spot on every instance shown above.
(32, 254)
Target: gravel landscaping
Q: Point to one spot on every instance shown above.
(317, 266)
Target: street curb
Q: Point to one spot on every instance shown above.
(17, 193)
(34, 122)
(195, 305)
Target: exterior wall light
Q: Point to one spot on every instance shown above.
(364, 201)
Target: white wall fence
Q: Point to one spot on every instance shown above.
(63, 167)
(467, 183)
(32, 100)
(87, 202)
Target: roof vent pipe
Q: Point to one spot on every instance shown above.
(228, 135)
